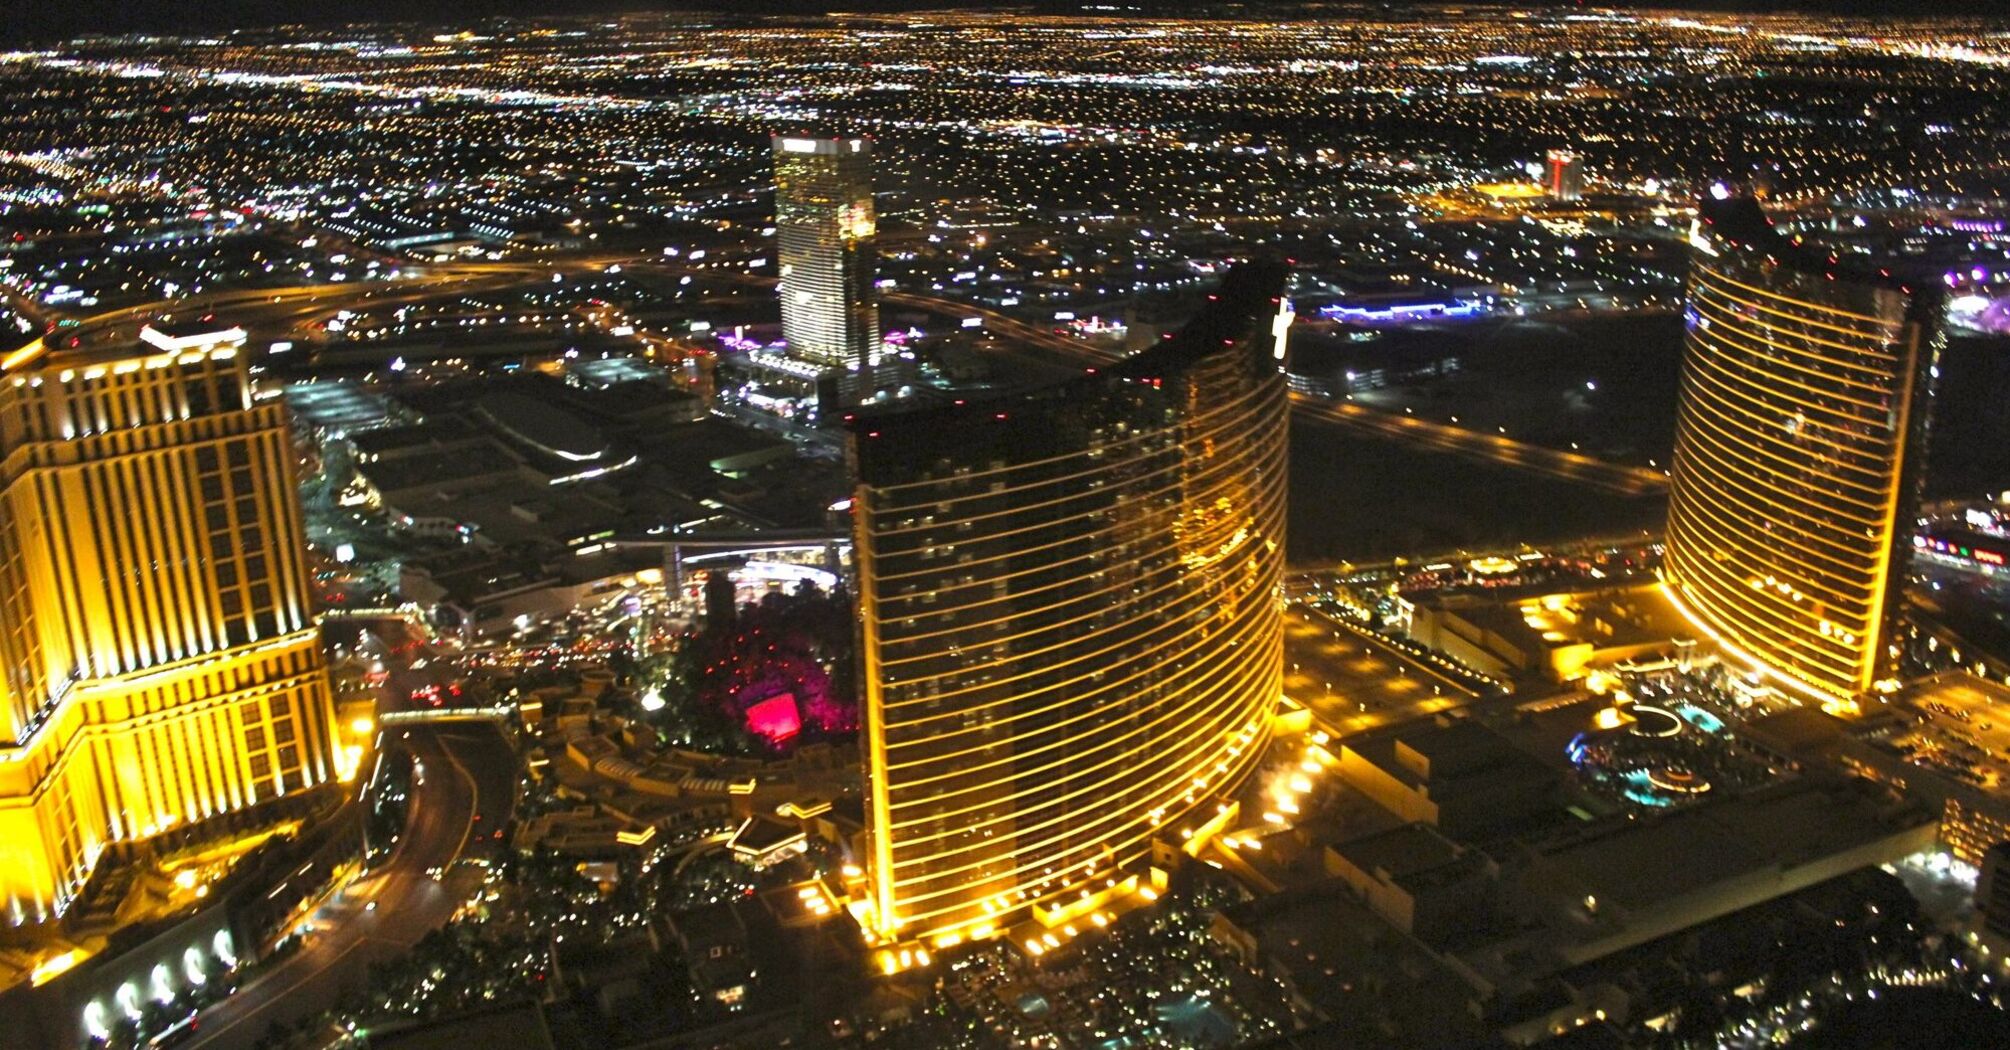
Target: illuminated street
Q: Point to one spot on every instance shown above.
(468, 787)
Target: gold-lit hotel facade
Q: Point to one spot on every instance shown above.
(1072, 630)
(1800, 438)
(158, 659)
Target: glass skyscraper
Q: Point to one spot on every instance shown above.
(1799, 443)
(1071, 619)
(825, 248)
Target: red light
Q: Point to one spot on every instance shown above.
(776, 718)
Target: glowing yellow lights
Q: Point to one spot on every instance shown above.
(348, 762)
(1054, 677)
(219, 654)
(361, 726)
(1796, 438)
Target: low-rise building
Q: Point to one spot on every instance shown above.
(1457, 776)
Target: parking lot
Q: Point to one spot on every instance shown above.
(1965, 733)
(1353, 683)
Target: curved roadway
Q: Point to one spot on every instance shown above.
(467, 792)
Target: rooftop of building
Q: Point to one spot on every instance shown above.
(1638, 864)
(1248, 296)
(1399, 851)
(543, 426)
(433, 434)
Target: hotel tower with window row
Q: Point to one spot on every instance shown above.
(1800, 440)
(1072, 631)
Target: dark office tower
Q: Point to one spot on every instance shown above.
(1563, 175)
(1798, 446)
(824, 232)
(1071, 625)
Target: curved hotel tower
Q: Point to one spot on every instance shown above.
(1072, 629)
(1799, 442)
(158, 660)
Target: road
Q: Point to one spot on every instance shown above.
(277, 312)
(463, 799)
(1616, 478)
(1498, 449)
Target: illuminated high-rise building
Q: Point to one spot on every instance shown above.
(1071, 624)
(826, 248)
(158, 660)
(1563, 175)
(1798, 448)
